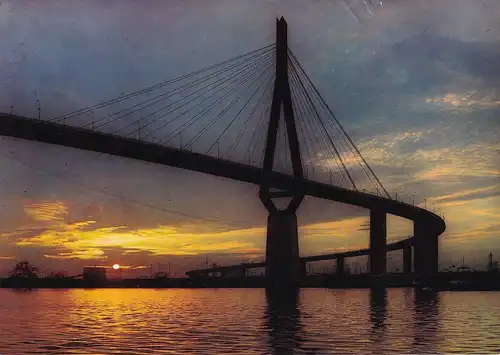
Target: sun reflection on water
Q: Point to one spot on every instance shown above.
(246, 321)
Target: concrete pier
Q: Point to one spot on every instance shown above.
(283, 266)
(378, 242)
(426, 250)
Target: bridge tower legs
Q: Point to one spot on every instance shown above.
(426, 250)
(282, 247)
(283, 266)
(378, 242)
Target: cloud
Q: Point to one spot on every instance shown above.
(473, 235)
(474, 220)
(472, 194)
(86, 254)
(79, 240)
(382, 150)
(461, 101)
(85, 240)
(47, 211)
(20, 233)
(449, 163)
(337, 229)
(459, 166)
(472, 200)
(459, 178)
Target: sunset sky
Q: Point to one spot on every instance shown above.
(416, 84)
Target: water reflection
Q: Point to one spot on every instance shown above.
(378, 316)
(248, 322)
(426, 320)
(283, 321)
(378, 309)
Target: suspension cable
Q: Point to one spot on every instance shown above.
(239, 112)
(252, 114)
(210, 87)
(307, 103)
(227, 108)
(197, 117)
(335, 118)
(249, 72)
(139, 92)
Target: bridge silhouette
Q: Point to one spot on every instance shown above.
(256, 118)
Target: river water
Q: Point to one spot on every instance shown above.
(247, 321)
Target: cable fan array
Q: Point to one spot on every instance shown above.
(211, 111)
(328, 153)
(223, 111)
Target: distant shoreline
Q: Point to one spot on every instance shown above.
(481, 281)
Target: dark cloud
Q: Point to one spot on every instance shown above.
(387, 90)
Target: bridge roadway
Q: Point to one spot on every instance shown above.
(344, 254)
(425, 222)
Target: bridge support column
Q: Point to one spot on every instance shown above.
(433, 253)
(283, 266)
(340, 265)
(426, 250)
(378, 242)
(407, 262)
(303, 269)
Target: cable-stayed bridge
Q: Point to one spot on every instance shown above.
(256, 118)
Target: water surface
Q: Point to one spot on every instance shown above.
(247, 321)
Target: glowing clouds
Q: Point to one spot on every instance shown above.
(86, 240)
(465, 100)
(45, 211)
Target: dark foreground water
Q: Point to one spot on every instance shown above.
(245, 321)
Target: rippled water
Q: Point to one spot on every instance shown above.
(245, 321)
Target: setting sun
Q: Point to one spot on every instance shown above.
(116, 266)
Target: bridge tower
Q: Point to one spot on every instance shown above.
(283, 267)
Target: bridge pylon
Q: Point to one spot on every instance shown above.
(283, 267)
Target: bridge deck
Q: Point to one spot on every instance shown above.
(346, 254)
(54, 133)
